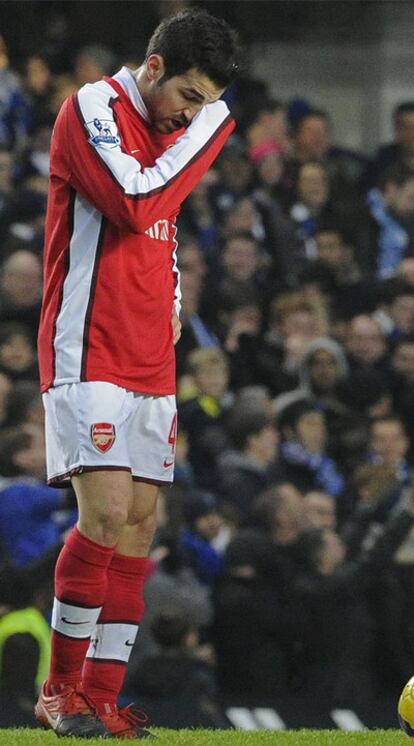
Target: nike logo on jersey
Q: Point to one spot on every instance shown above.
(167, 464)
(68, 621)
(129, 644)
(137, 150)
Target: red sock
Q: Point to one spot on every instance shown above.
(80, 588)
(110, 648)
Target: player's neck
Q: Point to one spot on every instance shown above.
(140, 77)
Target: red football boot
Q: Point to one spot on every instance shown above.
(126, 722)
(70, 712)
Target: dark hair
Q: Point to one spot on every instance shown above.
(312, 114)
(170, 627)
(405, 107)
(331, 223)
(9, 329)
(242, 425)
(258, 105)
(193, 38)
(397, 174)
(289, 416)
(392, 288)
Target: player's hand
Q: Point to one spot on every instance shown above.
(176, 326)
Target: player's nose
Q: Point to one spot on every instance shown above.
(190, 112)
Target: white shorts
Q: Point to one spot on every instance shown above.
(95, 425)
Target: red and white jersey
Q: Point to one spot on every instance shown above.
(110, 275)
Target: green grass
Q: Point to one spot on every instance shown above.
(28, 737)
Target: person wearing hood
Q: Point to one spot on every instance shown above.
(323, 367)
(251, 466)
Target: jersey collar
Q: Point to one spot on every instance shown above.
(125, 78)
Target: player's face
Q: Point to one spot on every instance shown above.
(173, 103)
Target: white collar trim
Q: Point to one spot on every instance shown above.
(125, 78)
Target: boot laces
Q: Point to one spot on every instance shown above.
(133, 715)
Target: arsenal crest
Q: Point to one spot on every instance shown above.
(103, 436)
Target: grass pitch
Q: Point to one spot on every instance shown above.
(29, 737)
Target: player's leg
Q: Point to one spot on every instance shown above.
(151, 446)
(111, 645)
(84, 434)
(81, 581)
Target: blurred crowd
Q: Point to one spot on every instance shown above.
(283, 563)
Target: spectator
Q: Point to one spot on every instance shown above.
(284, 244)
(177, 688)
(366, 395)
(92, 63)
(268, 124)
(203, 522)
(33, 516)
(235, 176)
(334, 252)
(303, 449)
(198, 217)
(295, 322)
(319, 510)
(14, 118)
(172, 585)
(203, 414)
(398, 152)
(388, 444)
(195, 331)
(20, 289)
(332, 593)
(312, 141)
(17, 352)
(23, 403)
(322, 372)
(366, 344)
(39, 88)
(396, 308)
(384, 230)
(253, 627)
(312, 192)
(254, 399)
(251, 466)
(24, 637)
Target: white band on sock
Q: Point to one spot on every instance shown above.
(74, 621)
(112, 641)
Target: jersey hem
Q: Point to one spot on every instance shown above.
(122, 383)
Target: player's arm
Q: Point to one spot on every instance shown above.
(132, 197)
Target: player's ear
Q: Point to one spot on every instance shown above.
(155, 67)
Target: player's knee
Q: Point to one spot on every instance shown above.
(114, 517)
(145, 526)
(107, 523)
